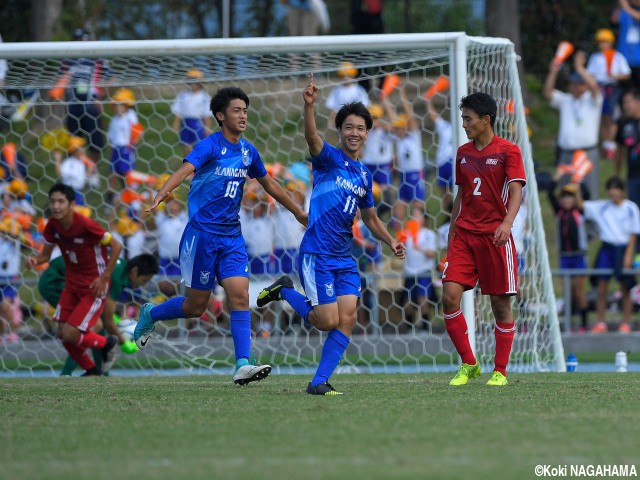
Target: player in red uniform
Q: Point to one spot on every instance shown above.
(490, 177)
(83, 243)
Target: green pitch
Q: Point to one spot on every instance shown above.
(388, 427)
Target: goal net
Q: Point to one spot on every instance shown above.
(399, 329)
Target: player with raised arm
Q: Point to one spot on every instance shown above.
(490, 177)
(83, 243)
(212, 246)
(328, 272)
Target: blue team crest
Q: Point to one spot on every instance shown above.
(204, 277)
(329, 289)
(364, 177)
(245, 155)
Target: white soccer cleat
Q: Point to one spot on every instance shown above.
(251, 373)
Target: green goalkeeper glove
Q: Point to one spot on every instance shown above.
(129, 347)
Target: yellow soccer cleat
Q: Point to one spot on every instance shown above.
(465, 372)
(497, 380)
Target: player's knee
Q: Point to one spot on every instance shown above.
(450, 301)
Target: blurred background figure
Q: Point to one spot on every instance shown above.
(192, 116)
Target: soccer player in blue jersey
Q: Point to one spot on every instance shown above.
(328, 272)
(212, 246)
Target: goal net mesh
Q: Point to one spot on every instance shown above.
(395, 332)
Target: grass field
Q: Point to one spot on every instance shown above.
(388, 426)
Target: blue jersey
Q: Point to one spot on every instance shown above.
(340, 185)
(218, 183)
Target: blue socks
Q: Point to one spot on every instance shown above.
(168, 310)
(241, 333)
(298, 302)
(332, 351)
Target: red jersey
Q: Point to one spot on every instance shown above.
(83, 249)
(484, 178)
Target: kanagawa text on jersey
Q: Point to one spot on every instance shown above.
(347, 184)
(231, 172)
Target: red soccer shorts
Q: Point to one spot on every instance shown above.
(80, 310)
(472, 257)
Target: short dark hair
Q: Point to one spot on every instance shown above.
(147, 264)
(66, 190)
(482, 104)
(223, 97)
(615, 182)
(353, 108)
(634, 92)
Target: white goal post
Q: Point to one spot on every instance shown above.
(273, 72)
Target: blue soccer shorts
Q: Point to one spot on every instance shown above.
(205, 257)
(326, 277)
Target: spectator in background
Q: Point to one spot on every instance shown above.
(259, 233)
(123, 134)
(347, 91)
(628, 138)
(444, 153)
(627, 17)
(81, 87)
(366, 250)
(618, 222)
(378, 152)
(10, 231)
(12, 163)
(288, 232)
(409, 158)
(609, 68)
(580, 112)
(571, 239)
(421, 243)
(366, 19)
(302, 20)
(76, 170)
(191, 110)
(169, 224)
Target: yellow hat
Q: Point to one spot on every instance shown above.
(605, 35)
(376, 190)
(18, 188)
(124, 95)
(376, 110)
(10, 226)
(347, 69)
(75, 143)
(401, 122)
(195, 73)
(572, 189)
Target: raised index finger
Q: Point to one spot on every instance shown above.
(311, 78)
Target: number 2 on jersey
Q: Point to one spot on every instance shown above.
(478, 182)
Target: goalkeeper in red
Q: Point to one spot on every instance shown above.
(490, 177)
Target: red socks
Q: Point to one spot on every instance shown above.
(92, 340)
(456, 326)
(79, 354)
(504, 333)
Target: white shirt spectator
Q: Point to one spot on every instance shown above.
(597, 67)
(616, 223)
(409, 152)
(189, 104)
(73, 172)
(444, 154)
(288, 231)
(416, 262)
(9, 256)
(259, 234)
(169, 231)
(378, 148)
(443, 235)
(343, 94)
(119, 134)
(579, 119)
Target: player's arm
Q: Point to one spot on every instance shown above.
(501, 235)
(310, 94)
(455, 211)
(42, 257)
(550, 81)
(408, 110)
(172, 182)
(377, 228)
(274, 189)
(100, 284)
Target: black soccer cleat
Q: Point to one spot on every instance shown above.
(272, 292)
(322, 389)
(109, 353)
(92, 372)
